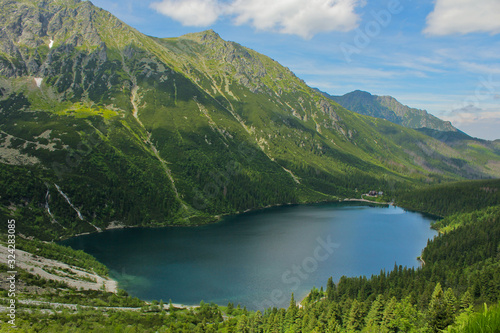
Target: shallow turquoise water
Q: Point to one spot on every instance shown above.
(258, 259)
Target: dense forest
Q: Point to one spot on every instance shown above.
(456, 290)
(450, 198)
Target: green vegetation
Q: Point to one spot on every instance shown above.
(457, 220)
(32, 280)
(446, 199)
(141, 131)
(486, 321)
(404, 300)
(90, 320)
(460, 273)
(144, 131)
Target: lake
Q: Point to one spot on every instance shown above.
(259, 258)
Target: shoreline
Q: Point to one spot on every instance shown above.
(114, 225)
(368, 201)
(51, 269)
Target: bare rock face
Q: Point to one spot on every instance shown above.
(327, 109)
(31, 25)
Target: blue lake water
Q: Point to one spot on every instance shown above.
(259, 258)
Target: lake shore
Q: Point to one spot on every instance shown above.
(365, 200)
(348, 202)
(58, 271)
(115, 225)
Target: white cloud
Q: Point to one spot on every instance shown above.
(472, 114)
(197, 13)
(464, 16)
(304, 18)
(340, 71)
(481, 68)
(475, 121)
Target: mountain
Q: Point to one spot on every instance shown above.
(387, 107)
(102, 126)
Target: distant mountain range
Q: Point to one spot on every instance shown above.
(101, 126)
(387, 107)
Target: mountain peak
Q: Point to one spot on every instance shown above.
(360, 92)
(389, 108)
(203, 37)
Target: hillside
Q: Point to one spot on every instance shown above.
(451, 198)
(102, 126)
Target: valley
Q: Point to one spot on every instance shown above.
(104, 127)
(218, 127)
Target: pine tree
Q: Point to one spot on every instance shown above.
(451, 305)
(171, 308)
(335, 313)
(389, 318)
(330, 289)
(291, 314)
(243, 326)
(355, 321)
(162, 306)
(333, 326)
(311, 325)
(305, 322)
(466, 301)
(406, 316)
(230, 308)
(437, 310)
(256, 323)
(376, 313)
(277, 323)
(293, 304)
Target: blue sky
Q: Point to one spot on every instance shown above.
(442, 56)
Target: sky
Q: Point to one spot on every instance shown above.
(439, 55)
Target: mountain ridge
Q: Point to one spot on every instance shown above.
(387, 107)
(178, 131)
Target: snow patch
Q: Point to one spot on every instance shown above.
(51, 43)
(38, 81)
